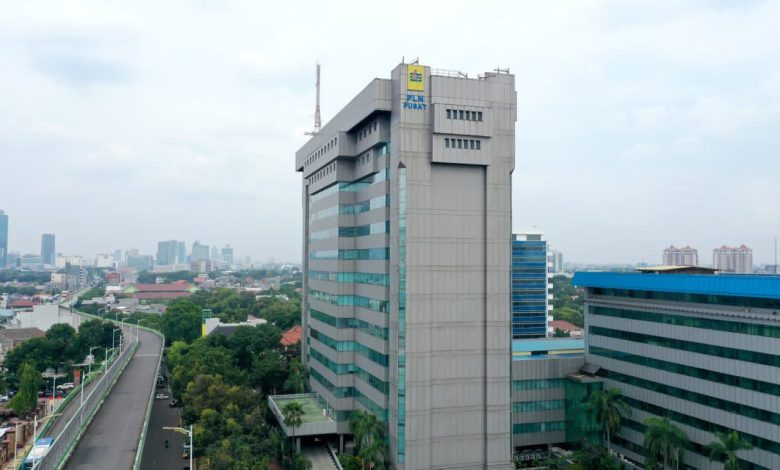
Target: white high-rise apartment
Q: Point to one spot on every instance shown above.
(685, 256)
(729, 259)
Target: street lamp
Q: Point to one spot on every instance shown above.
(186, 433)
(113, 337)
(91, 359)
(35, 434)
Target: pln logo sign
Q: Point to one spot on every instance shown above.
(415, 75)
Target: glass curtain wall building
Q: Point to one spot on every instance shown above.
(530, 281)
(701, 350)
(48, 253)
(406, 254)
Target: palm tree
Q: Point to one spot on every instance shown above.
(664, 438)
(726, 448)
(608, 408)
(369, 437)
(293, 417)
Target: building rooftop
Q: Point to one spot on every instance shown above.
(291, 336)
(21, 334)
(563, 325)
(671, 269)
(735, 285)
(545, 347)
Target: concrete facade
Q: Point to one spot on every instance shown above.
(538, 396)
(407, 220)
(702, 350)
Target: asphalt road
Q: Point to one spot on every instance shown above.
(111, 440)
(156, 454)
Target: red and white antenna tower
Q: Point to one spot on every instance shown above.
(317, 117)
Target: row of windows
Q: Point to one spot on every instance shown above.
(342, 392)
(689, 297)
(694, 397)
(694, 322)
(352, 369)
(464, 115)
(537, 384)
(352, 254)
(638, 449)
(350, 300)
(549, 426)
(351, 209)
(366, 131)
(350, 278)
(467, 144)
(322, 150)
(351, 187)
(696, 372)
(710, 349)
(539, 405)
(349, 232)
(350, 346)
(355, 323)
(323, 173)
(755, 441)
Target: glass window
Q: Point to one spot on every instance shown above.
(479, 115)
(449, 114)
(446, 142)
(478, 144)
(460, 114)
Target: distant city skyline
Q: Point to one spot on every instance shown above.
(637, 126)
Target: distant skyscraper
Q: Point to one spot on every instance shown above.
(556, 261)
(733, 259)
(199, 252)
(182, 254)
(167, 252)
(227, 255)
(215, 253)
(529, 286)
(686, 256)
(118, 256)
(3, 239)
(47, 249)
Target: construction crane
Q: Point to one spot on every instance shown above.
(317, 117)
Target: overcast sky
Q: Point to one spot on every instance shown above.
(640, 123)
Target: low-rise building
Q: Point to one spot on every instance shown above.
(11, 338)
(169, 291)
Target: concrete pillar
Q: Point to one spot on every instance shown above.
(341, 443)
(298, 444)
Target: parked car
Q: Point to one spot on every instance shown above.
(161, 396)
(173, 403)
(4, 398)
(66, 386)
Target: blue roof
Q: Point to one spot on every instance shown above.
(767, 287)
(546, 344)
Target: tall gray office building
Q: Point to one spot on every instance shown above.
(48, 253)
(3, 239)
(406, 256)
(167, 252)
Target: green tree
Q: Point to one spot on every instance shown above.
(293, 417)
(608, 408)
(181, 321)
(296, 381)
(726, 447)
(664, 438)
(369, 438)
(26, 399)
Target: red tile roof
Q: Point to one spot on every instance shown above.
(174, 287)
(291, 336)
(161, 295)
(564, 325)
(21, 303)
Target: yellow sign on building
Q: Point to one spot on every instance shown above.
(415, 76)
